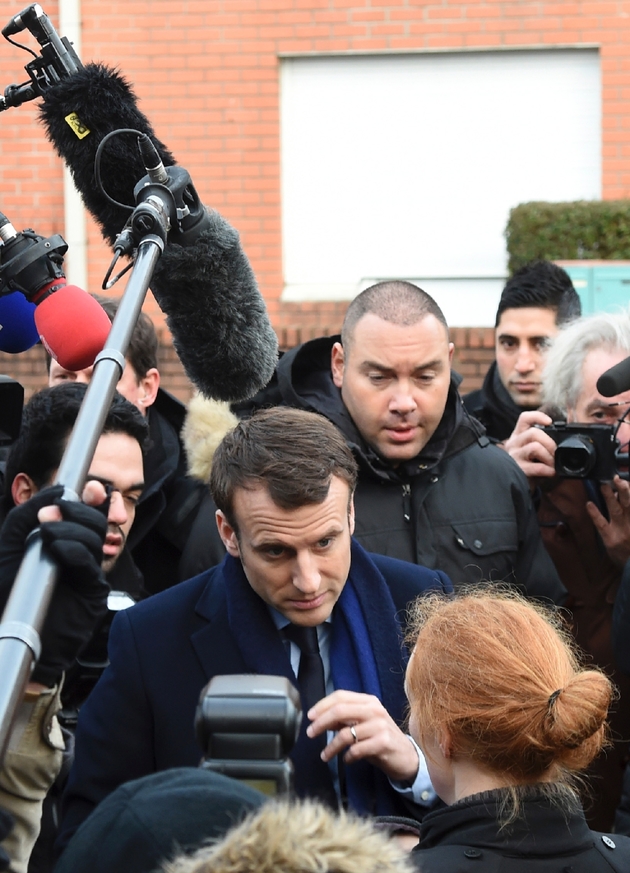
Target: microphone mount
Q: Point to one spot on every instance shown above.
(57, 59)
(168, 208)
(30, 263)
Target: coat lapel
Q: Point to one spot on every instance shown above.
(240, 635)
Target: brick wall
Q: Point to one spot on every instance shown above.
(207, 75)
(474, 352)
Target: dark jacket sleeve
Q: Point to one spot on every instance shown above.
(621, 633)
(535, 571)
(107, 749)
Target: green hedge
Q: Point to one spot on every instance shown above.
(585, 229)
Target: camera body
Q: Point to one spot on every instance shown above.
(584, 451)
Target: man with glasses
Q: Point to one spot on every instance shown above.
(585, 523)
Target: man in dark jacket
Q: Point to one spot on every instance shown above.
(585, 522)
(536, 301)
(171, 499)
(432, 489)
(286, 518)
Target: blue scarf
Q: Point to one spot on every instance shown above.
(366, 656)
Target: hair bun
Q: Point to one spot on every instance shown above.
(577, 712)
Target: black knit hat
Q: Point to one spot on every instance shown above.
(152, 819)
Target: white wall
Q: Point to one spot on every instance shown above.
(407, 166)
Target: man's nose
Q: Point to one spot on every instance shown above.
(306, 575)
(84, 376)
(117, 509)
(403, 399)
(524, 360)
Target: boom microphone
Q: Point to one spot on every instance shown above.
(71, 325)
(616, 380)
(206, 287)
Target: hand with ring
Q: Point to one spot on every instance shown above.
(364, 730)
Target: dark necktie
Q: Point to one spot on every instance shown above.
(311, 673)
(312, 688)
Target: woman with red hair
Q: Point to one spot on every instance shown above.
(507, 719)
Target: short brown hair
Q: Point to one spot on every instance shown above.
(396, 301)
(502, 676)
(292, 452)
(142, 351)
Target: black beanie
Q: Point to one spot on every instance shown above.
(150, 820)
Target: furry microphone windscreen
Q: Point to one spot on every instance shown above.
(216, 314)
(78, 112)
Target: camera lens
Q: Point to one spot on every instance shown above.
(575, 457)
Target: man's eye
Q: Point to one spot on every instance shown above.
(508, 344)
(131, 499)
(376, 378)
(325, 542)
(274, 551)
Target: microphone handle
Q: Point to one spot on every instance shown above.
(32, 590)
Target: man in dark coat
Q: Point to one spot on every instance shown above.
(432, 489)
(167, 509)
(536, 301)
(585, 523)
(283, 484)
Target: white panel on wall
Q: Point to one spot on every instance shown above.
(407, 165)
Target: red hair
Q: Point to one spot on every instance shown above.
(501, 675)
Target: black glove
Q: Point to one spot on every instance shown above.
(6, 826)
(80, 598)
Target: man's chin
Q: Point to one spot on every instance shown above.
(397, 453)
(527, 402)
(108, 563)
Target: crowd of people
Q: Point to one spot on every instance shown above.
(453, 613)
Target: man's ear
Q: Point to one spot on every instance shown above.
(351, 516)
(22, 489)
(227, 534)
(337, 364)
(451, 351)
(149, 384)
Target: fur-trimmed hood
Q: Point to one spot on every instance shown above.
(207, 422)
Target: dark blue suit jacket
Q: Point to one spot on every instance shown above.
(140, 717)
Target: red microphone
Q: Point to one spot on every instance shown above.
(72, 326)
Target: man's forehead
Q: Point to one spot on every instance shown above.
(376, 336)
(118, 459)
(254, 503)
(528, 321)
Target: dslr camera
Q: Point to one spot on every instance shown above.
(587, 451)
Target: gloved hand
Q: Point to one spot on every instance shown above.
(6, 825)
(80, 598)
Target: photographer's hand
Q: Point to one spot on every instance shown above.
(531, 448)
(615, 533)
(73, 534)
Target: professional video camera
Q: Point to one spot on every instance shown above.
(247, 725)
(588, 451)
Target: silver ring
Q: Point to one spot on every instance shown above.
(354, 734)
